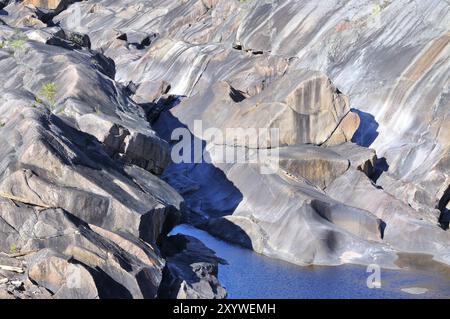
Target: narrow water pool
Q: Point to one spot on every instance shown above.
(250, 275)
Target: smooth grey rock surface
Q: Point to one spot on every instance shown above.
(382, 54)
(80, 212)
(81, 103)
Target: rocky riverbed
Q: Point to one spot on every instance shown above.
(91, 92)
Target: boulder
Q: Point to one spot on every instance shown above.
(238, 230)
(286, 104)
(406, 229)
(191, 270)
(64, 279)
(64, 255)
(48, 4)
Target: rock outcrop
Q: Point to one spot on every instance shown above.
(91, 92)
(243, 76)
(249, 44)
(191, 270)
(82, 213)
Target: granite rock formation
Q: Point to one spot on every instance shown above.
(91, 92)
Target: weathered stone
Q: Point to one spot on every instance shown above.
(85, 94)
(46, 4)
(317, 165)
(287, 104)
(191, 270)
(406, 229)
(238, 230)
(345, 40)
(284, 217)
(236, 64)
(111, 264)
(64, 279)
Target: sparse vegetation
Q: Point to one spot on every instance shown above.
(16, 42)
(48, 92)
(76, 39)
(13, 249)
(95, 62)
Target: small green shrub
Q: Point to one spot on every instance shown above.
(16, 44)
(48, 92)
(13, 249)
(77, 39)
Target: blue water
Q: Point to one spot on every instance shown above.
(250, 275)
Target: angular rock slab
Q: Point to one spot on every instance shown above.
(64, 255)
(191, 270)
(304, 106)
(77, 85)
(285, 216)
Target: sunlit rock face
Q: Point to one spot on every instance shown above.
(303, 105)
(390, 57)
(45, 4)
(252, 64)
(82, 211)
(91, 91)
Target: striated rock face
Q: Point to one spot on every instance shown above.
(304, 106)
(284, 215)
(82, 214)
(91, 92)
(78, 87)
(66, 257)
(248, 65)
(385, 69)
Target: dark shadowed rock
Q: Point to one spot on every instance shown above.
(191, 270)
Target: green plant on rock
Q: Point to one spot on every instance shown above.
(13, 249)
(62, 110)
(48, 92)
(77, 39)
(95, 62)
(16, 44)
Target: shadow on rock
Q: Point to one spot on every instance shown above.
(191, 270)
(231, 232)
(367, 131)
(381, 166)
(205, 188)
(443, 205)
